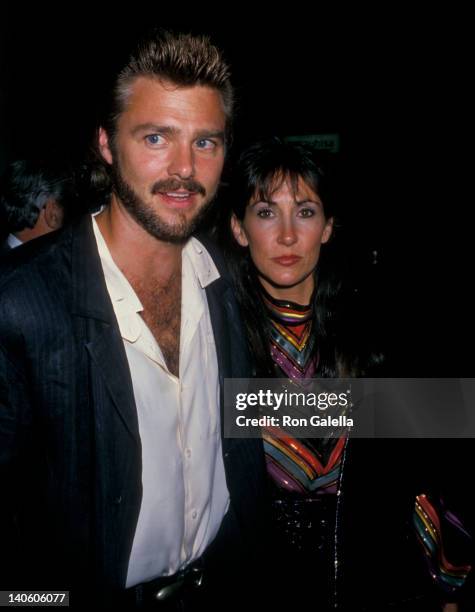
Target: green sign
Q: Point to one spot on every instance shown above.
(325, 142)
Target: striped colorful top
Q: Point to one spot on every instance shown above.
(305, 467)
(434, 525)
(310, 468)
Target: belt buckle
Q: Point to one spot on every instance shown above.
(192, 576)
(196, 576)
(170, 589)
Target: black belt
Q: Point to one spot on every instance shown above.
(165, 591)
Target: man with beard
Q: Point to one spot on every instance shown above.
(115, 339)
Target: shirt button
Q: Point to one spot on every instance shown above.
(194, 514)
(187, 453)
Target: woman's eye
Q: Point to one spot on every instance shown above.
(154, 139)
(264, 213)
(306, 212)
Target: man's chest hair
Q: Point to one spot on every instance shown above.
(162, 314)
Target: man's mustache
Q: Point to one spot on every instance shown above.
(172, 184)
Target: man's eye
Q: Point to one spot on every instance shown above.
(205, 143)
(154, 139)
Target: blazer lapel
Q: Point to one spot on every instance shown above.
(102, 338)
(220, 302)
(217, 296)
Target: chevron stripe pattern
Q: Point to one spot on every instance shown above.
(428, 526)
(292, 343)
(296, 466)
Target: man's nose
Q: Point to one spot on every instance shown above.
(182, 163)
(287, 234)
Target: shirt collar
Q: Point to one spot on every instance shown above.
(125, 301)
(117, 284)
(203, 265)
(13, 241)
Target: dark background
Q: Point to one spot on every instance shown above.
(393, 85)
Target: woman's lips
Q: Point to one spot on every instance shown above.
(287, 260)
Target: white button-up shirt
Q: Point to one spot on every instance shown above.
(185, 495)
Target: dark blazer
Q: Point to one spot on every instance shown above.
(5, 248)
(70, 451)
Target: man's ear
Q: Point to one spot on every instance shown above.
(53, 214)
(238, 231)
(104, 147)
(327, 232)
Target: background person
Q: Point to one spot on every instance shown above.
(36, 197)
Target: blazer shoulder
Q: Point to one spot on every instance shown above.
(29, 257)
(32, 275)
